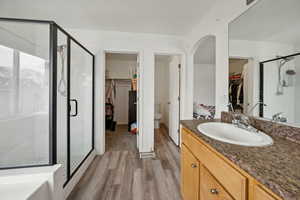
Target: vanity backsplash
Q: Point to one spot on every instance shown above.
(271, 128)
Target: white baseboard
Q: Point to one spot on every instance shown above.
(144, 155)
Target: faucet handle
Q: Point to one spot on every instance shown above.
(240, 117)
(244, 118)
(277, 116)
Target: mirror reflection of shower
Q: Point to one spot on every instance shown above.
(288, 79)
(62, 85)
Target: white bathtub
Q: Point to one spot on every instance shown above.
(41, 183)
(24, 187)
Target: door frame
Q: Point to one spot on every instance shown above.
(139, 96)
(181, 86)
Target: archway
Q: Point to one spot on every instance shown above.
(204, 85)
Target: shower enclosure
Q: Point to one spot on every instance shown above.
(279, 88)
(46, 96)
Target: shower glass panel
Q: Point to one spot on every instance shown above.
(24, 94)
(62, 100)
(81, 103)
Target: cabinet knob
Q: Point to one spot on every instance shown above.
(214, 191)
(193, 165)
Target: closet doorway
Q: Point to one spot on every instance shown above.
(121, 107)
(167, 96)
(240, 85)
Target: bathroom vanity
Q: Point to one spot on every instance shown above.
(214, 170)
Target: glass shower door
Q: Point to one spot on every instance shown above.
(81, 105)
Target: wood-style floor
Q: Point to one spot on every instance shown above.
(120, 140)
(120, 175)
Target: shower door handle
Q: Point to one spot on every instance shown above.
(76, 108)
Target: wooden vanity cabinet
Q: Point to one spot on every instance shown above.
(260, 194)
(189, 175)
(210, 188)
(208, 175)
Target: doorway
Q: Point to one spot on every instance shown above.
(240, 85)
(167, 96)
(121, 107)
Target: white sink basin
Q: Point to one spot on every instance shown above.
(231, 134)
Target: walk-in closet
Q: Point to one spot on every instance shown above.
(121, 78)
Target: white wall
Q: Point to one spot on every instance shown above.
(204, 84)
(146, 45)
(162, 88)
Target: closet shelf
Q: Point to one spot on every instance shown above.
(121, 79)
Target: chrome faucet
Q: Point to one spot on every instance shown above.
(255, 105)
(277, 117)
(243, 122)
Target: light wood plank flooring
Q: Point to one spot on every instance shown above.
(120, 140)
(120, 175)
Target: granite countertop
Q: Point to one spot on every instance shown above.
(277, 166)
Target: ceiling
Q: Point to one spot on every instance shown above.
(206, 52)
(269, 20)
(175, 17)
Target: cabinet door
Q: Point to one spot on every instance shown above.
(190, 175)
(210, 188)
(260, 194)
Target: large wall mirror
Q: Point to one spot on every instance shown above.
(264, 61)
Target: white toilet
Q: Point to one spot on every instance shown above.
(157, 116)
